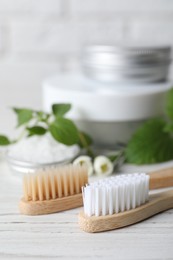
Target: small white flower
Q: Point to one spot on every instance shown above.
(103, 165)
(85, 160)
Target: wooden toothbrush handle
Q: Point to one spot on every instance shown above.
(157, 203)
(161, 179)
(50, 206)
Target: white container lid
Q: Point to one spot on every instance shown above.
(94, 101)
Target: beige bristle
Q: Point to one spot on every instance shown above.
(29, 177)
(34, 187)
(40, 186)
(51, 184)
(71, 182)
(54, 183)
(77, 182)
(46, 185)
(58, 178)
(65, 183)
(25, 188)
(83, 179)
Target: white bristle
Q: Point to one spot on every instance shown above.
(103, 201)
(97, 201)
(116, 194)
(54, 182)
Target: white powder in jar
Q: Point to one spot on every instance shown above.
(42, 149)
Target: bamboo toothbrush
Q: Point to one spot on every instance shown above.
(161, 179)
(124, 200)
(53, 190)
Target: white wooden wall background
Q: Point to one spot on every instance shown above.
(39, 38)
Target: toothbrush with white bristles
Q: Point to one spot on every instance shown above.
(123, 200)
(115, 194)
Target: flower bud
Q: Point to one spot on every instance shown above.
(85, 160)
(103, 165)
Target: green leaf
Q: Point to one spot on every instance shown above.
(150, 144)
(168, 128)
(64, 131)
(169, 104)
(60, 110)
(23, 115)
(84, 140)
(4, 140)
(36, 130)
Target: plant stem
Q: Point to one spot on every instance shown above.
(85, 145)
(20, 136)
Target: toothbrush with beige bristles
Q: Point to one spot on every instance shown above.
(52, 190)
(124, 200)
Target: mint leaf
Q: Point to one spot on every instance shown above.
(23, 115)
(169, 104)
(36, 130)
(168, 128)
(60, 109)
(150, 144)
(84, 140)
(4, 140)
(64, 131)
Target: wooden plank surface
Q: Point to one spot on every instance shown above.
(58, 236)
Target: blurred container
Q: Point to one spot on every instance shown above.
(18, 167)
(126, 64)
(109, 112)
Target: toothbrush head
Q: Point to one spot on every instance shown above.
(116, 194)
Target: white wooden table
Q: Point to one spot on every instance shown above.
(58, 236)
